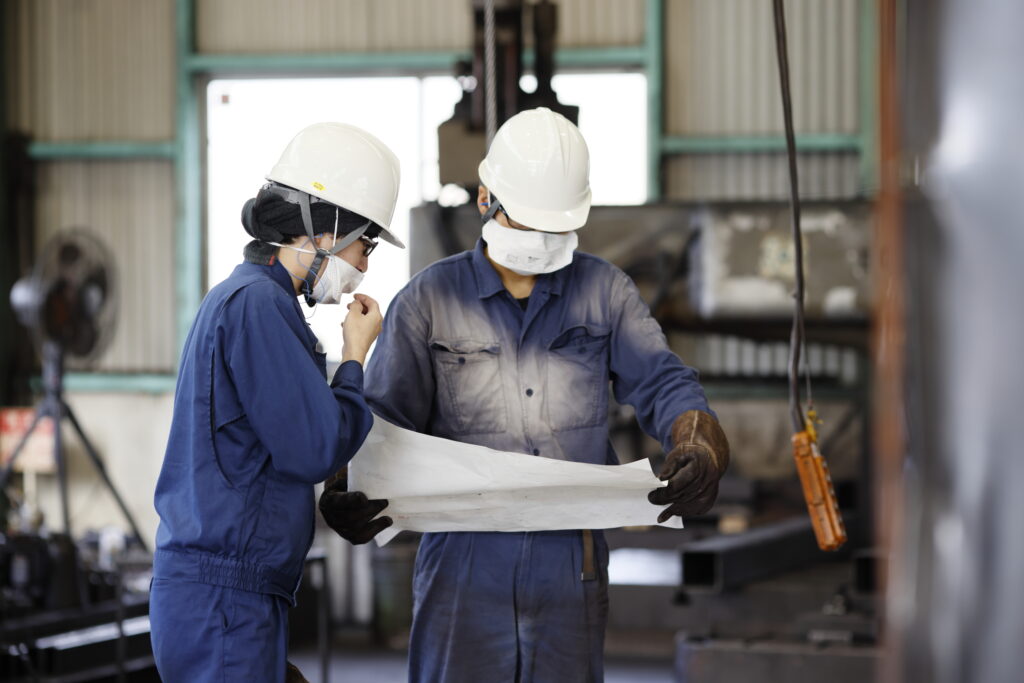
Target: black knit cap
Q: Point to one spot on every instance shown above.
(270, 218)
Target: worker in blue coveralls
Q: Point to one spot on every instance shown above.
(255, 423)
(512, 346)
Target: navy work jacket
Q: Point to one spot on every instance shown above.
(459, 358)
(255, 427)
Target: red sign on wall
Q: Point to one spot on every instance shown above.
(37, 456)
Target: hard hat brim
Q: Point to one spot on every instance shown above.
(388, 237)
(546, 220)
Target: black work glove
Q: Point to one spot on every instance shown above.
(699, 458)
(350, 514)
(293, 675)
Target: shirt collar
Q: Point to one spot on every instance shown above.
(488, 282)
(274, 270)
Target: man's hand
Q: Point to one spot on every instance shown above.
(692, 469)
(360, 328)
(350, 514)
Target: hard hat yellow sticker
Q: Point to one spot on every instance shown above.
(318, 186)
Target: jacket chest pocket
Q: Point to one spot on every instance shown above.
(470, 398)
(577, 377)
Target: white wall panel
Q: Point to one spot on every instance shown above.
(130, 206)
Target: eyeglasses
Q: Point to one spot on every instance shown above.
(368, 245)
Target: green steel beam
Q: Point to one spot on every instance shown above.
(266, 64)
(655, 60)
(748, 144)
(59, 151)
(130, 383)
(188, 179)
(868, 97)
(627, 57)
(441, 60)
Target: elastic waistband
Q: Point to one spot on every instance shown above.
(216, 570)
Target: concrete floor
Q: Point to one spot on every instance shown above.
(385, 666)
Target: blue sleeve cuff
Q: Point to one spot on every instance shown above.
(349, 376)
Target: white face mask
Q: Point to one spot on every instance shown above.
(529, 252)
(338, 277)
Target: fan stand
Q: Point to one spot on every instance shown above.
(54, 406)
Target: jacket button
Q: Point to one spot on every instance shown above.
(536, 451)
(462, 361)
(529, 392)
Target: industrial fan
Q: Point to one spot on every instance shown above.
(70, 299)
(69, 305)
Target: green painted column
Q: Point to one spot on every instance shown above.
(188, 178)
(655, 53)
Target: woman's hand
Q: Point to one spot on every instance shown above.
(360, 328)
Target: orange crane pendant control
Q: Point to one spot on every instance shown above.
(818, 492)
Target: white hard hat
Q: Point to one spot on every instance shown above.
(538, 167)
(346, 166)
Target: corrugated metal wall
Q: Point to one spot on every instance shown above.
(833, 175)
(721, 73)
(233, 26)
(600, 23)
(91, 69)
(129, 206)
(721, 79)
(261, 26)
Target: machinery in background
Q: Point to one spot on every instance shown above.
(462, 139)
(68, 610)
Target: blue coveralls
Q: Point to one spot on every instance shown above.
(459, 358)
(255, 426)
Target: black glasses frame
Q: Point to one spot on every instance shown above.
(369, 244)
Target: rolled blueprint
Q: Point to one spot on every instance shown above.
(434, 484)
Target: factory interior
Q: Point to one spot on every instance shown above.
(814, 199)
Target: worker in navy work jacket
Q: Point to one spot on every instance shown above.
(512, 346)
(255, 423)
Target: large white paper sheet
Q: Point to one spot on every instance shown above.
(435, 484)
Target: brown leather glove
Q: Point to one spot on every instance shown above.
(349, 513)
(699, 458)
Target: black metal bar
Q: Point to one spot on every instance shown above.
(62, 467)
(122, 641)
(723, 562)
(324, 621)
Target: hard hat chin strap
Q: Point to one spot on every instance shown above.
(309, 282)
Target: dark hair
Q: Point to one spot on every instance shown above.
(270, 218)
